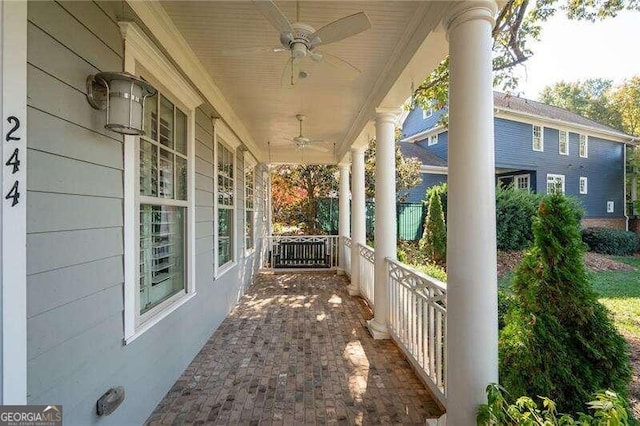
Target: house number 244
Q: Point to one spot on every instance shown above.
(14, 161)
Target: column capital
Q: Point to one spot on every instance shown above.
(344, 166)
(465, 11)
(384, 114)
(358, 150)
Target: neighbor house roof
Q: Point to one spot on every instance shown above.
(530, 107)
(426, 157)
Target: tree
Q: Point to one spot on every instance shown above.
(434, 237)
(559, 341)
(407, 171)
(305, 183)
(591, 99)
(626, 100)
(518, 23)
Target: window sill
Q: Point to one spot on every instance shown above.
(159, 317)
(224, 269)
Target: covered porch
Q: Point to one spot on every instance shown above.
(296, 351)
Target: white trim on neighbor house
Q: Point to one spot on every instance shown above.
(164, 30)
(566, 142)
(586, 145)
(222, 131)
(434, 170)
(428, 113)
(583, 187)
(424, 134)
(611, 207)
(13, 80)
(524, 117)
(142, 56)
(432, 140)
(533, 137)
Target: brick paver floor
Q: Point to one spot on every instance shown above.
(295, 351)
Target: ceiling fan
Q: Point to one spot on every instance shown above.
(303, 142)
(302, 40)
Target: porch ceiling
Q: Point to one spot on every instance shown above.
(337, 108)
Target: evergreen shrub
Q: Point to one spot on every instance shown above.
(610, 241)
(559, 341)
(434, 237)
(514, 212)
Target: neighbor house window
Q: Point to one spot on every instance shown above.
(610, 207)
(538, 138)
(163, 204)
(249, 203)
(226, 203)
(432, 140)
(563, 142)
(584, 146)
(522, 182)
(426, 113)
(583, 185)
(555, 184)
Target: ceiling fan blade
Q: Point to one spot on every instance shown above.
(273, 14)
(342, 28)
(247, 51)
(345, 67)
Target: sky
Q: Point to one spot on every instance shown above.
(578, 50)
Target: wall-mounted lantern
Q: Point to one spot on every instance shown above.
(122, 95)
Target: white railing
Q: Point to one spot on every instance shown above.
(346, 252)
(299, 252)
(418, 322)
(366, 273)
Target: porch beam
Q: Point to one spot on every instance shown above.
(343, 212)
(385, 217)
(472, 328)
(358, 217)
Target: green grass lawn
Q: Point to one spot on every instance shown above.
(619, 291)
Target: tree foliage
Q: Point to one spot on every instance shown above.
(559, 341)
(407, 171)
(517, 25)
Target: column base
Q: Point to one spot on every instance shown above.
(340, 271)
(353, 290)
(378, 331)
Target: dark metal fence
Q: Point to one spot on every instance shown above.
(410, 218)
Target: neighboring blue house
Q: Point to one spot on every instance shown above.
(537, 147)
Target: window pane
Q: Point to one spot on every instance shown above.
(225, 243)
(166, 174)
(181, 132)
(148, 169)
(151, 117)
(249, 229)
(166, 122)
(162, 236)
(181, 178)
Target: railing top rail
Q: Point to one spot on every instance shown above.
(300, 236)
(418, 274)
(366, 247)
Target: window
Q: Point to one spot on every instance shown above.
(226, 203)
(163, 203)
(249, 202)
(522, 182)
(584, 146)
(432, 140)
(583, 185)
(563, 142)
(610, 206)
(555, 184)
(426, 113)
(538, 138)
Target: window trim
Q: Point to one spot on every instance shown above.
(611, 204)
(250, 163)
(586, 145)
(223, 134)
(142, 56)
(522, 175)
(552, 175)
(428, 113)
(533, 144)
(433, 138)
(566, 132)
(586, 185)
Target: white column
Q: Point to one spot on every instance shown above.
(343, 212)
(472, 320)
(634, 182)
(385, 218)
(358, 217)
